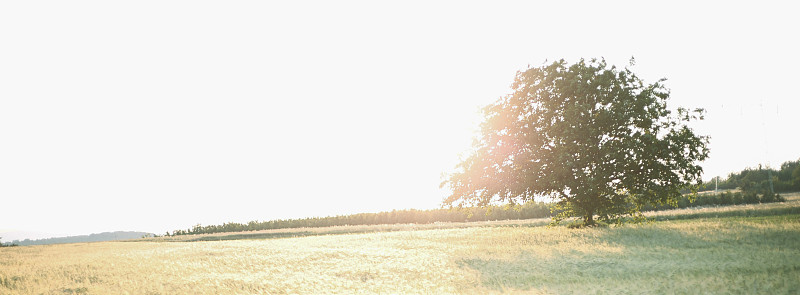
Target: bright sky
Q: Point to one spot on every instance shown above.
(158, 115)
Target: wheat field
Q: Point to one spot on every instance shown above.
(728, 254)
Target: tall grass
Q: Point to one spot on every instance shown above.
(731, 255)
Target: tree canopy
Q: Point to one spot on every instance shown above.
(596, 139)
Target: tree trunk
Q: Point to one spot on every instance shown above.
(588, 220)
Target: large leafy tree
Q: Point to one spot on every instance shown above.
(595, 138)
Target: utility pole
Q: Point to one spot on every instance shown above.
(766, 144)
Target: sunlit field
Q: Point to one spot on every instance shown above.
(738, 249)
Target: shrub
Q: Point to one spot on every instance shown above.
(751, 198)
(768, 197)
(737, 198)
(725, 199)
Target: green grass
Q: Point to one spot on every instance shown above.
(728, 255)
(753, 249)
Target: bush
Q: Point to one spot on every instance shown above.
(768, 197)
(737, 198)
(779, 198)
(751, 198)
(725, 199)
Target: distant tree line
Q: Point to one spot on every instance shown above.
(100, 237)
(528, 210)
(723, 198)
(757, 180)
(524, 211)
(7, 244)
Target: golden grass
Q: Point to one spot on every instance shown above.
(710, 255)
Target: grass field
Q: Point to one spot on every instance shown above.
(747, 249)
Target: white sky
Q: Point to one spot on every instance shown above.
(158, 115)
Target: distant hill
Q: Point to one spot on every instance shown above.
(101, 237)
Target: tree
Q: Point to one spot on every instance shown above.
(597, 140)
(796, 174)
